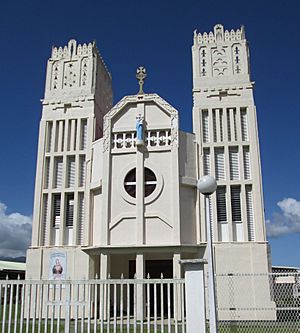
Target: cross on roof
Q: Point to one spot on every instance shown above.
(141, 75)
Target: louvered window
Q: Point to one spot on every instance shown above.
(49, 136)
(223, 234)
(244, 124)
(219, 164)
(83, 141)
(56, 210)
(206, 161)
(228, 125)
(44, 219)
(69, 210)
(234, 163)
(71, 171)
(47, 169)
(214, 125)
(82, 170)
(80, 217)
(205, 126)
(247, 168)
(221, 204)
(221, 124)
(236, 204)
(250, 219)
(58, 172)
(235, 125)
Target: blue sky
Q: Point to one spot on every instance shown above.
(157, 35)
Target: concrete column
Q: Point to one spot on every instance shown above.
(140, 274)
(194, 295)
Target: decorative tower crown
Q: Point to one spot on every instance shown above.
(71, 70)
(220, 58)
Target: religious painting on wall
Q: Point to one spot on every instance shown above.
(57, 266)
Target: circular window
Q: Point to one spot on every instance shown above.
(150, 182)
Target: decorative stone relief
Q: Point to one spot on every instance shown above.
(55, 75)
(84, 71)
(219, 61)
(237, 58)
(70, 74)
(203, 61)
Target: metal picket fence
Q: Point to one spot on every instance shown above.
(123, 305)
(259, 302)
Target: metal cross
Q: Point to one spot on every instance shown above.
(141, 75)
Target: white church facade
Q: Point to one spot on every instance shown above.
(115, 188)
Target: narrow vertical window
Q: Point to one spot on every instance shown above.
(247, 168)
(56, 211)
(214, 125)
(71, 171)
(219, 164)
(49, 136)
(234, 125)
(236, 213)
(47, 172)
(221, 124)
(69, 210)
(206, 161)
(80, 217)
(228, 125)
(234, 163)
(205, 126)
(250, 219)
(82, 170)
(44, 219)
(244, 124)
(222, 214)
(58, 172)
(83, 139)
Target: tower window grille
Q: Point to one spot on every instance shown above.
(44, 219)
(234, 163)
(83, 141)
(206, 161)
(247, 167)
(221, 124)
(80, 217)
(69, 210)
(236, 204)
(235, 125)
(221, 204)
(58, 172)
(250, 215)
(71, 171)
(82, 170)
(205, 126)
(47, 172)
(244, 124)
(228, 125)
(214, 125)
(56, 210)
(49, 136)
(219, 164)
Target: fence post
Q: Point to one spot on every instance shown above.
(194, 295)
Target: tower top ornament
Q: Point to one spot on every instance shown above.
(141, 75)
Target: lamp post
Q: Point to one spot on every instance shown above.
(207, 185)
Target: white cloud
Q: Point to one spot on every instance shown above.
(15, 233)
(286, 222)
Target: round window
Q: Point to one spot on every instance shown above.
(149, 184)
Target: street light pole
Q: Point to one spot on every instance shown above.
(207, 185)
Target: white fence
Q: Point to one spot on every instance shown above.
(246, 303)
(149, 305)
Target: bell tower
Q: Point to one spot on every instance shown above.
(78, 94)
(225, 125)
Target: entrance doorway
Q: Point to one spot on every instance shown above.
(155, 269)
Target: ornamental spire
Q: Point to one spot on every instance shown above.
(141, 75)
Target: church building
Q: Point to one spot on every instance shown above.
(115, 189)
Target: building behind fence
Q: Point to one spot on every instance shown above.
(146, 305)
